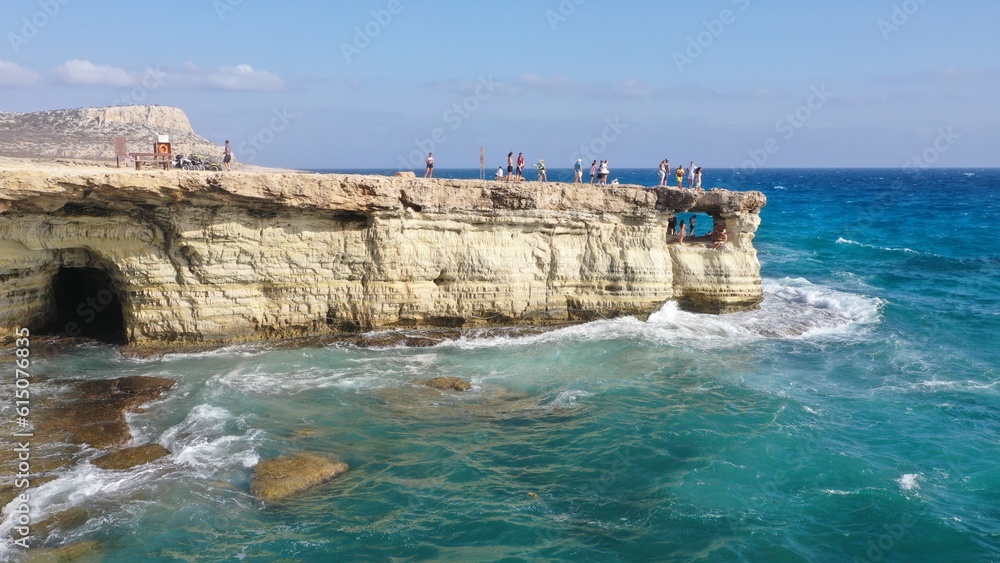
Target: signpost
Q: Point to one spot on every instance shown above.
(120, 150)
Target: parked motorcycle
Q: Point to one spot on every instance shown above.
(182, 162)
(196, 162)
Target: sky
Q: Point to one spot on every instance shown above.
(379, 84)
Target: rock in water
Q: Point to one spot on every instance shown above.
(98, 417)
(282, 477)
(445, 383)
(131, 457)
(61, 521)
(76, 552)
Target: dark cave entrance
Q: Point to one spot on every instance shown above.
(87, 305)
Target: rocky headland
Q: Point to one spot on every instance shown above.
(194, 258)
(89, 133)
(191, 259)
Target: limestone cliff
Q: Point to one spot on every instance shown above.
(88, 133)
(200, 258)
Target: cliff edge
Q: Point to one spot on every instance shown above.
(189, 258)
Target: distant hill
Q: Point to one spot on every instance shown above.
(88, 133)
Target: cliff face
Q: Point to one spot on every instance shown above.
(88, 133)
(197, 258)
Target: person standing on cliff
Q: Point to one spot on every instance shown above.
(520, 166)
(663, 172)
(429, 172)
(578, 171)
(542, 176)
(510, 166)
(680, 176)
(691, 175)
(593, 172)
(227, 156)
(697, 178)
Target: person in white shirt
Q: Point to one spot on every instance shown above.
(429, 172)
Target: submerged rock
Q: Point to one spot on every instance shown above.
(62, 521)
(282, 477)
(446, 383)
(392, 339)
(76, 552)
(131, 457)
(98, 418)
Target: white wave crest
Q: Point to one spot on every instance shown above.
(567, 399)
(842, 240)
(909, 481)
(206, 440)
(792, 309)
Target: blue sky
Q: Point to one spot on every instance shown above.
(727, 83)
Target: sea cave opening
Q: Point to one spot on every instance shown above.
(87, 305)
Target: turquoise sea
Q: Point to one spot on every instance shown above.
(855, 417)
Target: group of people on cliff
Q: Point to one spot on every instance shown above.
(599, 172)
(693, 175)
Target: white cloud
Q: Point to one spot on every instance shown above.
(243, 77)
(85, 73)
(558, 86)
(75, 72)
(15, 75)
(552, 85)
(632, 89)
(562, 86)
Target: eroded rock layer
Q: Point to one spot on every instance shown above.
(200, 258)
